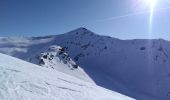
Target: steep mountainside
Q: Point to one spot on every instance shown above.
(137, 68)
(20, 80)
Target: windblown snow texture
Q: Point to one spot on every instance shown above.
(20, 80)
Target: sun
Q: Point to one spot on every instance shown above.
(151, 1)
(151, 4)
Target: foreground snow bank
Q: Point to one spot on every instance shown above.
(21, 80)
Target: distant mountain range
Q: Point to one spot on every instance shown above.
(138, 68)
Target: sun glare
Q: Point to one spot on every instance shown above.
(151, 4)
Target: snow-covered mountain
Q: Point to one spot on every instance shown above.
(20, 80)
(137, 68)
(56, 58)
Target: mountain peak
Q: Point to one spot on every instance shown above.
(80, 30)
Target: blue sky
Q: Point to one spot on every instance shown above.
(117, 18)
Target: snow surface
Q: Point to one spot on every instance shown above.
(20, 80)
(138, 68)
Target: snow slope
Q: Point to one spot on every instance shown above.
(20, 80)
(137, 68)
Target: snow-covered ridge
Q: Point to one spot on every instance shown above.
(52, 55)
(20, 80)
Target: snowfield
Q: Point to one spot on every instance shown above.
(20, 80)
